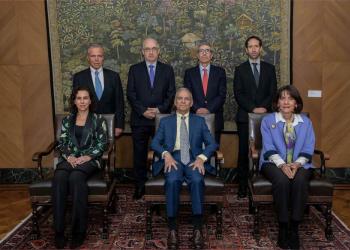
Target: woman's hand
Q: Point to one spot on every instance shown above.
(72, 160)
(82, 159)
(294, 167)
(287, 170)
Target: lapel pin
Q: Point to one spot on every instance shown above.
(273, 126)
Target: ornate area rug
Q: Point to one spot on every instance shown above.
(127, 228)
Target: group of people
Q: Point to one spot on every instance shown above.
(288, 138)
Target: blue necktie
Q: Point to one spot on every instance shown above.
(98, 86)
(151, 74)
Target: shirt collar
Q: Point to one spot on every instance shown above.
(94, 70)
(297, 118)
(201, 67)
(148, 64)
(180, 115)
(257, 61)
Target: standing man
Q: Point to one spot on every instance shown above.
(184, 160)
(105, 84)
(207, 83)
(150, 90)
(254, 86)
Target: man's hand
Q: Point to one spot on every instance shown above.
(286, 169)
(202, 111)
(198, 164)
(82, 159)
(118, 131)
(169, 163)
(259, 110)
(149, 114)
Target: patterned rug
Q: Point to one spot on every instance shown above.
(127, 228)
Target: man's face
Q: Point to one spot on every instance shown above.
(95, 57)
(254, 49)
(150, 50)
(183, 102)
(204, 54)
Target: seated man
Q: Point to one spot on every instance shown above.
(179, 141)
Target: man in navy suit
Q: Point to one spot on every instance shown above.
(179, 144)
(150, 90)
(207, 83)
(254, 86)
(105, 84)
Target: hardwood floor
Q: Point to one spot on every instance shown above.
(15, 206)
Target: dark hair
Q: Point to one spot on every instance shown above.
(253, 37)
(293, 92)
(73, 107)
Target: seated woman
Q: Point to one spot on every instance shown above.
(288, 145)
(81, 144)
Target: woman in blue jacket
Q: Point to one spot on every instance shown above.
(288, 145)
(81, 144)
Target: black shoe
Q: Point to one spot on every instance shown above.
(242, 191)
(139, 192)
(172, 239)
(77, 240)
(283, 236)
(60, 241)
(198, 240)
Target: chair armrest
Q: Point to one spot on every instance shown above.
(323, 158)
(38, 156)
(150, 156)
(106, 153)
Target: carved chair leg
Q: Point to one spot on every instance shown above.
(219, 222)
(35, 234)
(113, 204)
(105, 223)
(251, 208)
(328, 230)
(256, 233)
(148, 222)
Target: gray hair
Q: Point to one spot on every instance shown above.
(181, 89)
(94, 45)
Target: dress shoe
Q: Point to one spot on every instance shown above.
(172, 239)
(242, 191)
(60, 241)
(294, 242)
(283, 236)
(139, 192)
(77, 240)
(198, 240)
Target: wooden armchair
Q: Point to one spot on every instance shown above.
(214, 186)
(260, 189)
(101, 185)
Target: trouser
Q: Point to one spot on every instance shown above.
(141, 136)
(69, 180)
(173, 185)
(243, 151)
(287, 192)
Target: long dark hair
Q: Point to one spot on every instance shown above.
(73, 107)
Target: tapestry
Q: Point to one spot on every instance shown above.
(178, 25)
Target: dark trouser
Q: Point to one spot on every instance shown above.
(173, 185)
(218, 136)
(288, 193)
(243, 150)
(141, 136)
(69, 180)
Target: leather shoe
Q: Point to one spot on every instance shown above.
(198, 240)
(242, 191)
(60, 241)
(77, 240)
(139, 192)
(172, 239)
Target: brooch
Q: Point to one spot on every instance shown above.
(273, 126)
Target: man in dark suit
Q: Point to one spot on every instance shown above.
(178, 142)
(207, 83)
(105, 84)
(150, 90)
(254, 86)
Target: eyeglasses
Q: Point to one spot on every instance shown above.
(204, 51)
(148, 50)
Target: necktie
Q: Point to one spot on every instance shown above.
(151, 74)
(205, 81)
(98, 86)
(184, 142)
(256, 74)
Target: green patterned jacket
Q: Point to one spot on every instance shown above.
(93, 142)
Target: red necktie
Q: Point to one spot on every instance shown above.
(205, 81)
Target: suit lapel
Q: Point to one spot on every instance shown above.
(173, 127)
(157, 75)
(251, 75)
(91, 83)
(148, 81)
(262, 74)
(191, 128)
(198, 80)
(211, 79)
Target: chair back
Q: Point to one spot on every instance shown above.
(255, 138)
(209, 120)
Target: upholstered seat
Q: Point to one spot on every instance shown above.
(214, 186)
(101, 185)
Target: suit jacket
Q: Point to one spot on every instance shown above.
(247, 95)
(141, 95)
(165, 137)
(93, 142)
(216, 92)
(273, 141)
(112, 100)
